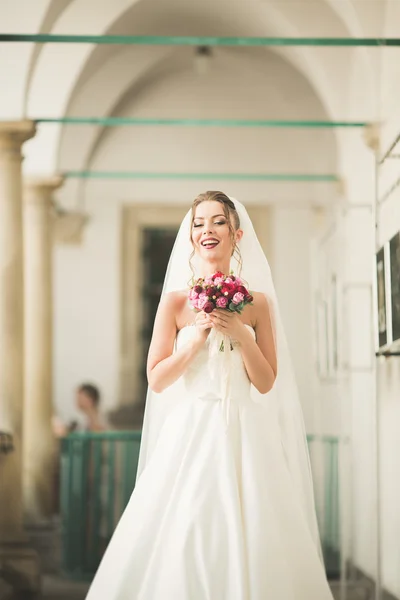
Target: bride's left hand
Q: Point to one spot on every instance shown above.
(228, 323)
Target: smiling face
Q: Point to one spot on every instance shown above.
(213, 232)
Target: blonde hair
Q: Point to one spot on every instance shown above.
(230, 213)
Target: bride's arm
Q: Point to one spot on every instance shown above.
(164, 366)
(259, 356)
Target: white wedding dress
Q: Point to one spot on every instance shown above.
(213, 515)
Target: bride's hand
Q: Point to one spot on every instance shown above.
(203, 325)
(228, 323)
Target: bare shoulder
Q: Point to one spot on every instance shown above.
(261, 308)
(174, 305)
(175, 300)
(260, 299)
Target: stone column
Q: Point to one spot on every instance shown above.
(39, 446)
(18, 564)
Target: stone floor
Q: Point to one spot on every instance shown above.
(58, 588)
(61, 589)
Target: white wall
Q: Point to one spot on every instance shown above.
(389, 369)
(292, 230)
(86, 309)
(352, 249)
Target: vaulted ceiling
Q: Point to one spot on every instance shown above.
(55, 80)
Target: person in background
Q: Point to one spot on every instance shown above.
(87, 399)
(88, 402)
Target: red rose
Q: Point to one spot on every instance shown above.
(228, 293)
(208, 307)
(242, 290)
(249, 298)
(228, 287)
(211, 291)
(217, 274)
(198, 289)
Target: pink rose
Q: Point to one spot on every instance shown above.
(228, 280)
(193, 295)
(218, 281)
(201, 302)
(222, 302)
(237, 298)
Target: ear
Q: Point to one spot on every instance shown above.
(238, 235)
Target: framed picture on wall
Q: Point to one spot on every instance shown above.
(381, 297)
(394, 253)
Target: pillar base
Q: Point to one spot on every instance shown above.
(20, 570)
(45, 538)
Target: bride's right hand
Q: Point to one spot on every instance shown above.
(203, 325)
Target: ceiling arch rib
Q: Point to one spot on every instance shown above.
(54, 10)
(108, 84)
(41, 150)
(15, 58)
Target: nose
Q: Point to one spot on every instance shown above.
(207, 229)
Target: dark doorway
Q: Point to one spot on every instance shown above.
(157, 245)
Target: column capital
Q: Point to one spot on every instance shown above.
(319, 215)
(14, 133)
(69, 227)
(371, 135)
(51, 183)
(39, 190)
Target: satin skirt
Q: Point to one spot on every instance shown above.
(213, 517)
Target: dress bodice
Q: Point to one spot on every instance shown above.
(205, 376)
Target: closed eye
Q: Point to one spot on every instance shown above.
(215, 223)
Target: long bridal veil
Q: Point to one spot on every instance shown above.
(282, 401)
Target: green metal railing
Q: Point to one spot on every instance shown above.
(326, 450)
(98, 473)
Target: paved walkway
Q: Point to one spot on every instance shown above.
(62, 589)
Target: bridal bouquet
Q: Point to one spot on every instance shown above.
(219, 291)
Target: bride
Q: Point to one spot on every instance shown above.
(223, 506)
